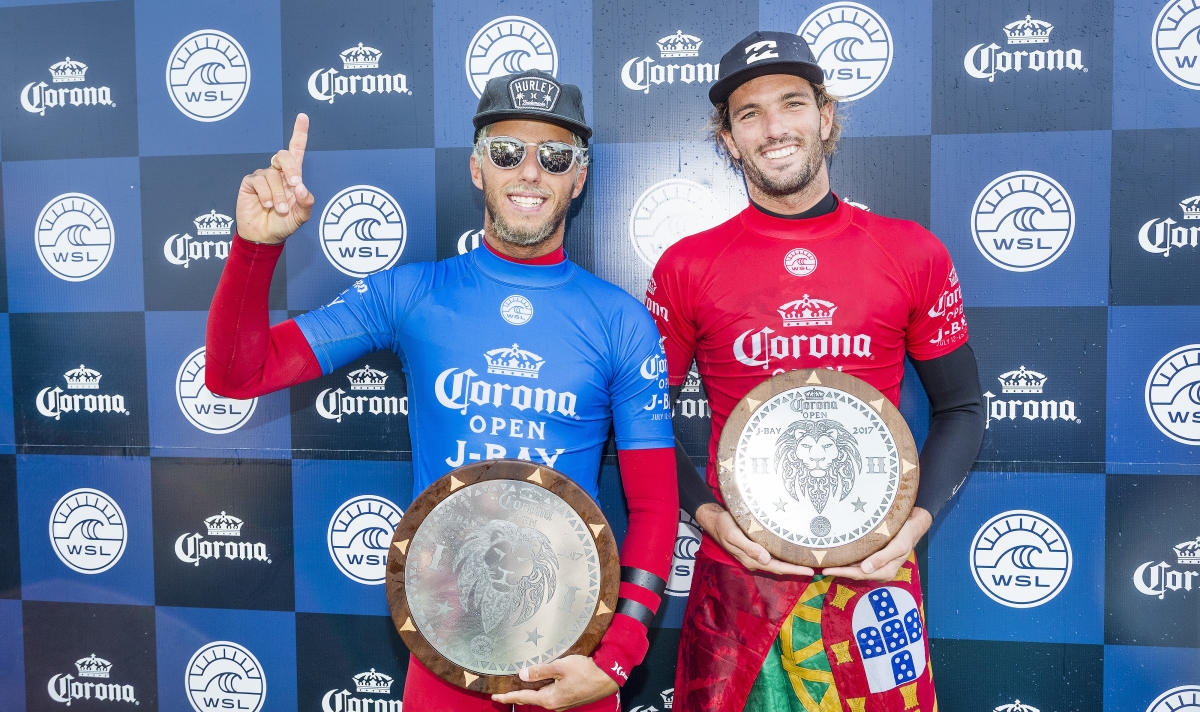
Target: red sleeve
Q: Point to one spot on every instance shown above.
(245, 356)
(938, 324)
(648, 478)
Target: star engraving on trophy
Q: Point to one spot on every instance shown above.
(533, 636)
(780, 505)
(859, 505)
(442, 608)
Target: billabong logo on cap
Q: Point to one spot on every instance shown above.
(759, 51)
(533, 93)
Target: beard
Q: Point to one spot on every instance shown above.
(523, 235)
(783, 185)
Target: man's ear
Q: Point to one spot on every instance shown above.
(476, 172)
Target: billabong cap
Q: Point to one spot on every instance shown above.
(761, 53)
(536, 95)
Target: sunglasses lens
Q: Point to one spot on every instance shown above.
(506, 152)
(556, 157)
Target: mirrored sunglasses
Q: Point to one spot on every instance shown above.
(554, 157)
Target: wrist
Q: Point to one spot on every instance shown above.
(707, 515)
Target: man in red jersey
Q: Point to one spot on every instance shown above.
(759, 633)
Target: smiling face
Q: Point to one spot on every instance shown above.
(775, 131)
(525, 208)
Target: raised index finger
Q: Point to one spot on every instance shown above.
(299, 137)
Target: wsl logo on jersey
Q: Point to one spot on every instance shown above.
(361, 65)
(766, 348)
(222, 540)
(852, 44)
(1161, 235)
(213, 234)
(1023, 221)
(82, 396)
(91, 681)
(225, 676)
(1173, 395)
(75, 237)
(800, 262)
(67, 88)
(683, 562)
(203, 408)
(676, 63)
(1021, 559)
(1185, 698)
(1160, 578)
(358, 537)
(1025, 40)
(366, 397)
(208, 75)
(1022, 398)
(508, 45)
(88, 531)
(1176, 43)
(362, 230)
(890, 638)
(370, 689)
(667, 212)
(516, 310)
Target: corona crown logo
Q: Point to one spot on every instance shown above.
(514, 361)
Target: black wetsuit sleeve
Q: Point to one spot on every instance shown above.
(693, 488)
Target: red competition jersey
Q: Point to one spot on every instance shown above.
(759, 295)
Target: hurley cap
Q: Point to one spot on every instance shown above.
(761, 53)
(536, 95)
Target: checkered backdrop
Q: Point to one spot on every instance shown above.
(156, 537)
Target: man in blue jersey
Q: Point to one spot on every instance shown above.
(531, 314)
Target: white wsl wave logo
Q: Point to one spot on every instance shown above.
(508, 45)
(1176, 42)
(1021, 559)
(358, 537)
(683, 563)
(203, 408)
(1023, 221)
(362, 230)
(208, 75)
(1185, 698)
(852, 44)
(74, 236)
(88, 531)
(1173, 395)
(225, 676)
(667, 212)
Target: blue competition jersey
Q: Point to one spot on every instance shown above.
(533, 362)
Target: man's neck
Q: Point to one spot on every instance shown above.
(548, 252)
(824, 206)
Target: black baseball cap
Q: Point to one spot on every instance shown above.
(532, 94)
(761, 53)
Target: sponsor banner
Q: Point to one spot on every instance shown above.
(349, 662)
(362, 72)
(189, 420)
(224, 544)
(651, 686)
(12, 650)
(1020, 677)
(211, 659)
(1019, 558)
(1159, 72)
(1155, 239)
(85, 529)
(459, 204)
(1154, 416)
(1166, 681)
(344, 516)
(10, 546)
(1021, 222)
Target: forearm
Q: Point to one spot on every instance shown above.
(955, 429)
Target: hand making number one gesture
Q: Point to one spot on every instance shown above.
(272, 202)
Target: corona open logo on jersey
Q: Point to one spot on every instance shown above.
(683, 562)
(667, 212)
(1022, 221)
(92, 680)
(508, 45)
(1176, 43)
(208, 75)
(768, 348)
(677, 63)
(516, 310)
(361, 76)
(1185, 698)
(1021, 559)
(949, 308)
(88, 531)
(67, 87)
(890, 637)
(654, 369)
(75, 237)
(1015, 706)
(1021, 399)
(358, 537)
(221, 539)
(469, 240)
(82, 396)
(366, 397)
(362, 230)
(224, 675)
(1173, 395)
(203, 408)
(800, 262)
(1160, 578)
(1025, 40)
(852, 44)
(213, 234)
(1159, 236)
(369, 688)
(691, 402)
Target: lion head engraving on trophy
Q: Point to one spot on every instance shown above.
(817, 458)
(506, 573)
